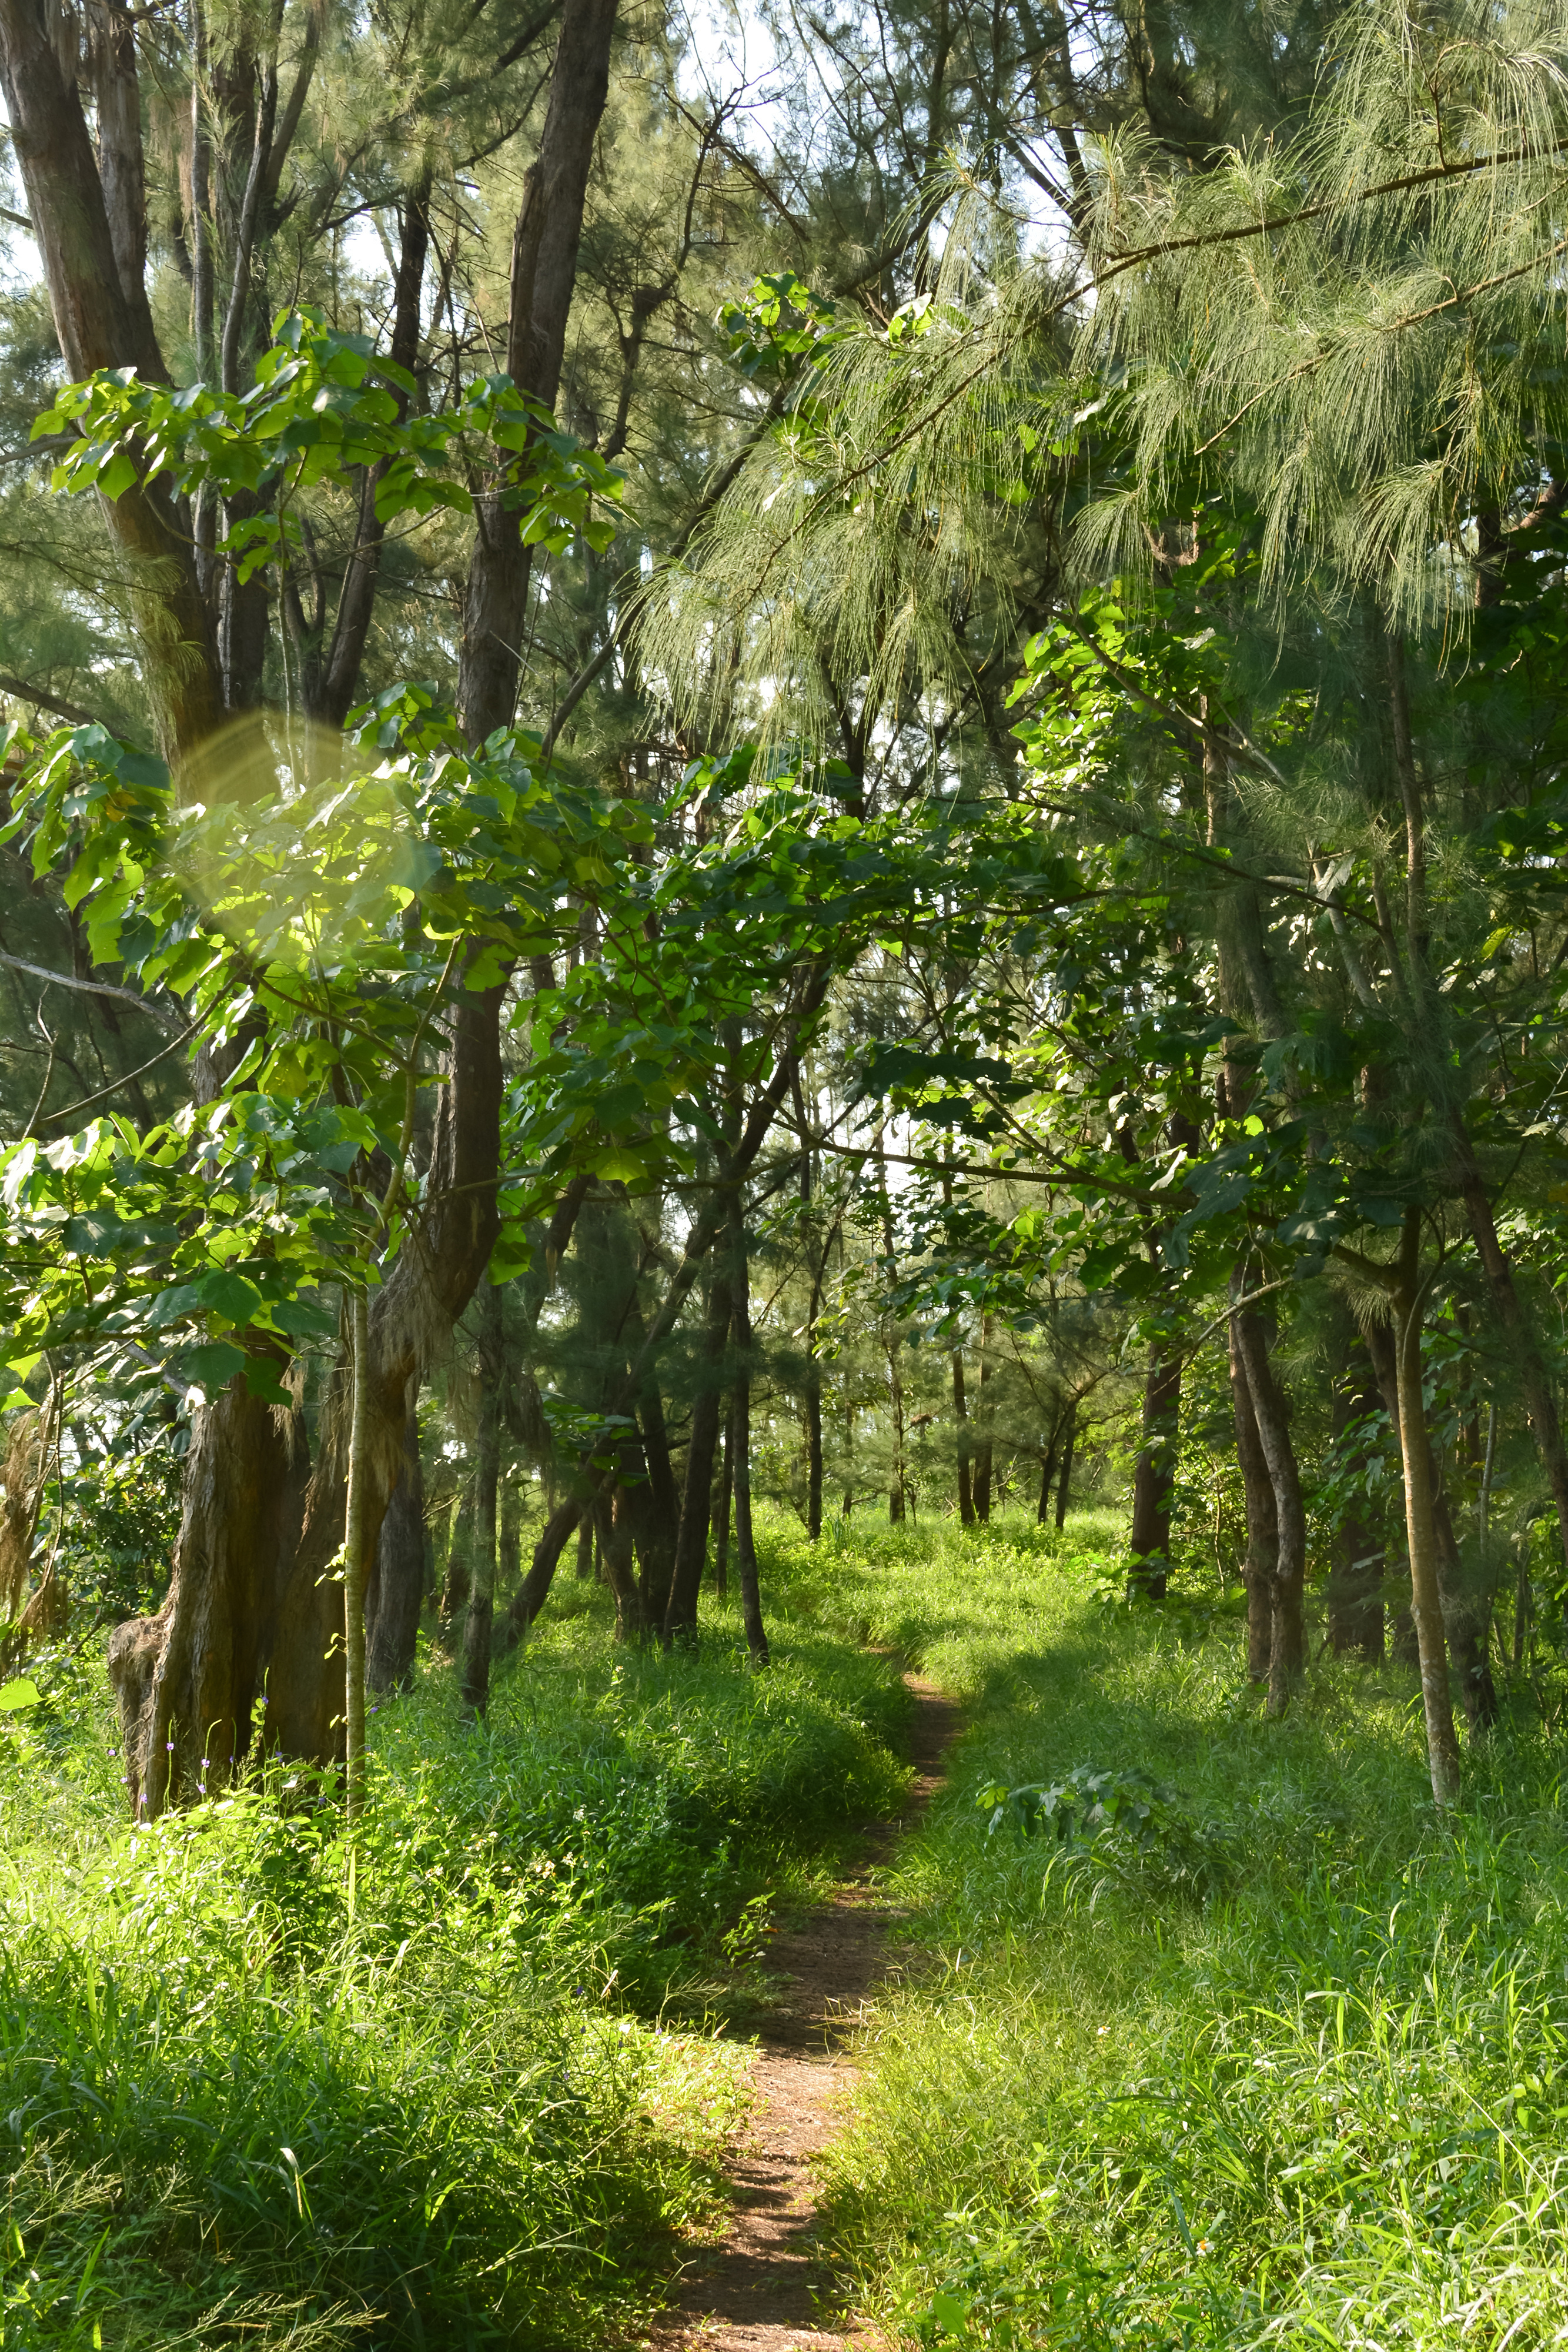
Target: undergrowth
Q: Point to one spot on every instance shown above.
(1214, 2034)
(458, 2086)
(1211, 2035)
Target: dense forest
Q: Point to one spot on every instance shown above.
(785, 813)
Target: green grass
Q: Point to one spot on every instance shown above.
(462, 2088)
(1291, 2067)
(1280, 2057)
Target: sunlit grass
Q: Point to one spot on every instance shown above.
(1315, 2094)
(1289, 2068)
(459, 2087)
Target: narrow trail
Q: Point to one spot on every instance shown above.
(759, 2290)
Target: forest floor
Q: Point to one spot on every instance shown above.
(763, 2287)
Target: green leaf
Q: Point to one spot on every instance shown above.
(17, 1695)
(230, 1296)
(213, 1365)
(951, 2315)
(302, 1318)
(118, 476)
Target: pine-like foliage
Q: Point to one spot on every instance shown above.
(1361, 328)
(867, 555)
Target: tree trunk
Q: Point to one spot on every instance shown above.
(473, 1682)
(454, 1598)
(617, 1539)
(726, 1503)
(1464, 1614)
(740, 1422)
(657, 1513)
(1046, 1473)
(508, 1540)
(1540, 1405)
(1148, 1569)
(814, 1402)
(1426, 1601)
(104, 320)
(691, 1544)
(1467, 1619)
(333, 677)
(28, 1447)
(1064, 1483)
(357, 1544)
(1356, 1578)
(187, 1681)
(961, 1418)
(1262, 1519)
(1287, 1633)
(397, 1589)
(544, 272)
(813, 1381)
(981, 1486)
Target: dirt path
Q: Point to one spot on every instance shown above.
(759, 2290)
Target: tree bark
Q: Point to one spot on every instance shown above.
(1064, 1483)
(1426, 1601)
(474, 1686)
(961, 1419)
(981, 1484)
(1262, 1519)
(1356, 1578)
(1464, 1614)
(544, 271)
(813, 1380)
(357, 1545)
(454, 1571)
(1153, 1475)
(333, 675)
(726, 1510)
(101, 322)
(1287, 1632)
(740, 1422)
(617, 1539)
(1046, 1473)
(188, 1680)
(1541, 1407)
(691, 1544)
(397, 1589)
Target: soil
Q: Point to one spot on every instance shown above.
(763, 2287)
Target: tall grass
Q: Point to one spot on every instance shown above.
(453, 2088)
(1288, 2066)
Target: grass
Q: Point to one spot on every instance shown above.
(1283, 2060)
(1276, 2055)
(462, 2086)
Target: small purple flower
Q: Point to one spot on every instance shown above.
(170, 1745)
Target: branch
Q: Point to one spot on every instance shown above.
(53, 1117)
(1064, 1175)
(91, 988)
(42, 701)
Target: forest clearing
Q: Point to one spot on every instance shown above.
(783, 1174)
